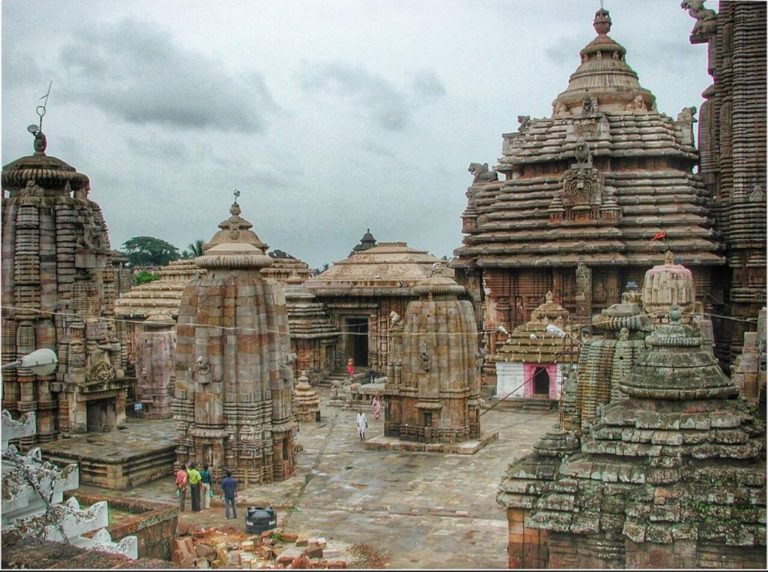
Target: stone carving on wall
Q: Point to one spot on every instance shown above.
(202, 373)
(582, 152)
(524, 121)
(100, 373)
(482, 173)
(582, 193)
(588, 105)
(426, 359)
(706, 19)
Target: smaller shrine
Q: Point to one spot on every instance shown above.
(306, 403)
(285, 266)
(531, 363)
(433, 378)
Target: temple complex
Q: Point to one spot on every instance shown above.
(433, 376)
(361, 291)
(234, 380)
(593, 197)
(532, 361)
(732, 145)
(670, 476)
(58, 291)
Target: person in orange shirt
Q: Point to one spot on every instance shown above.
(181, 486)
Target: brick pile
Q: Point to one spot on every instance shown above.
(231, 548)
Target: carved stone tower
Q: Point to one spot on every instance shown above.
(433, 377)
(58, 291)
(234, 379)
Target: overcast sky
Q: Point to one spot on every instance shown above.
(329, 116)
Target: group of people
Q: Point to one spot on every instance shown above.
(200, 485)
(362, 420)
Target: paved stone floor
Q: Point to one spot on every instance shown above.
(422, 510)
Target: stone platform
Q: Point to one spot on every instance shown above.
(141, 452)
(471, 447)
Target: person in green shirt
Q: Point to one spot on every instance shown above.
(194, 486)
(206, 486)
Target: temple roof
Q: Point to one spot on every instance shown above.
(41, 169)
(162, 296)
(390, 268)
(596, 182)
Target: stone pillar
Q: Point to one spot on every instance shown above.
(583, 291)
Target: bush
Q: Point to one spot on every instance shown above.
(143, 277)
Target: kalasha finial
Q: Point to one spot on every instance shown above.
(602, 23)
(669, 258)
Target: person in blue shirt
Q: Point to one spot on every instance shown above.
(229, 491)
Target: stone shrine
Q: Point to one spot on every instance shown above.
(58, 291)
(732, 146)
(532, 362)
(587, 191)
(671, 476)
(361, 291)
(433, 377)
(306, 403)
(234, 376)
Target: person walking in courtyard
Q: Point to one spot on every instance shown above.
(229, 491)
(206, 486)
(350, 367)
(376, 406)
(362, 425)
(181, 486)
(194, 486)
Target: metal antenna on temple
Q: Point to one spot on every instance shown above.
(41, 110)
(237, 194)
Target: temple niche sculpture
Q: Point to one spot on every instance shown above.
(234, 375)
(362, 290)
(732, 147)
(585, 194)
(672, 475)
(58, 291)
(532, 362)
(433, 378)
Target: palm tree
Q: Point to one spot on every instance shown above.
(194, 249)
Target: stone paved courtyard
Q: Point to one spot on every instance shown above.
(421, 510)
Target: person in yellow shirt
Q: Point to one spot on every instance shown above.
(194, 486)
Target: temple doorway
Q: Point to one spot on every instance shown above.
(357, 340)
(100, 415)
(541, 382)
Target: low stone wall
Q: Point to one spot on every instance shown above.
(34, 554)
(153, 524)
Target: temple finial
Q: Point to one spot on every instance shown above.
(602, 23)
(235, 208)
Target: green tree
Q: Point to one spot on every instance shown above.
(149, 251)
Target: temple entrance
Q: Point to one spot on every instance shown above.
(541, 382)
(100, 415)
(357, 340)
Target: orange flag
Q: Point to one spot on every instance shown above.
(659, 235)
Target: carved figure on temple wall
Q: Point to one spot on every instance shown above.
(561, 109)
(426, 359)
(524, 121)
(81, 194)
(582, 153)
(687, 114)
(637, 104)
(40, 143)
(394, 319)
(588, 105)
(202, 373)
(482, 173)
(706, 18)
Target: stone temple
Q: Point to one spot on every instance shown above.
(58, 291)
(586, 192)
(670, 476)
(234, 376)
(433, 378)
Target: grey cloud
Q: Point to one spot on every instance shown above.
(429, 85)
(565, 52)
(134, 70)
(390, 107)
